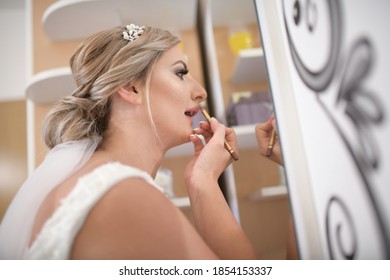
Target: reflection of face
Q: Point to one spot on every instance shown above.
(313, 30)
(174, 97)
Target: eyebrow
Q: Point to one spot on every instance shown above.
(180, 62)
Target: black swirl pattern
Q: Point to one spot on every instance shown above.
(362, 106)
(339, 228)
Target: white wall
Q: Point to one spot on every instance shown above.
(12, 50)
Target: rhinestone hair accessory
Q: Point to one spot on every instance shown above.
(133, 32)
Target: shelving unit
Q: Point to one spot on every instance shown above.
(270, 192)
(246, 136)
(227, 13)
(251, 184)
(51, 85)
(249, 67)
(90, 16)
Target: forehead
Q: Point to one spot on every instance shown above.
(171, 56)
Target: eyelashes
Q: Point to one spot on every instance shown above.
(181, 73)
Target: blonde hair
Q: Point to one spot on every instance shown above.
(101, 65)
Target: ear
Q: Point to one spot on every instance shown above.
(130, 94)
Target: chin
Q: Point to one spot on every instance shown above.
(180, 138)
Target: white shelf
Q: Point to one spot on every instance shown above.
(232, 13)
(186, 149)
(77, 19)
(181, 202)
(50, 86)
(268, 192)
(249, 67)
(246, 136)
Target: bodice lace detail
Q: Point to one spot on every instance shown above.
(56, 237)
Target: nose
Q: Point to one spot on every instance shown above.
(198, 94)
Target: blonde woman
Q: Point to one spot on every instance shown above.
(94, 196)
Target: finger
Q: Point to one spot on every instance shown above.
(267, 126)
(203, 130)
(263, 135)
(198, 144)
(205, 126)
(231, 139)
(263, 132)
(230, 134)
(205, 133)
(225, 142)
(218, 129)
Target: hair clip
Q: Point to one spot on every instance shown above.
(133, 32)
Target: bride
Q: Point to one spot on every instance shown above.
(94, 196)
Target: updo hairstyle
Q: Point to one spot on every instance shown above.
(102, 64)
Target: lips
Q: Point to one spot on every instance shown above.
(192, 112)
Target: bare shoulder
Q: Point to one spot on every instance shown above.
(134, 220)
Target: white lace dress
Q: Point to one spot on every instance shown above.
(56, 237)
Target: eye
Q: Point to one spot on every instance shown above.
(181, 73)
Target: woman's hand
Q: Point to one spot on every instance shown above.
(210, 160)
(212, 216)
(263, 135)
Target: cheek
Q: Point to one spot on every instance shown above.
(167, 108)
(169, 97)
(163, 86)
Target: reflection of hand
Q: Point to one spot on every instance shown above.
(210, 159)
(263, 135)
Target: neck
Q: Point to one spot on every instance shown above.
(137, 147)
